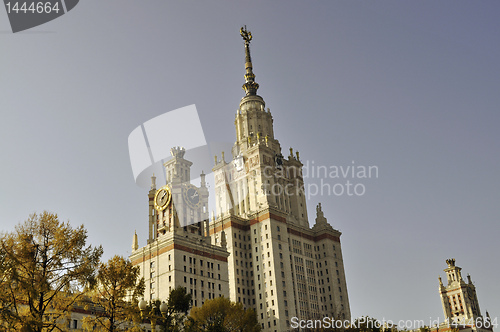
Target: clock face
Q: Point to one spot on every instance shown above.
(191, 196)
(162, 198)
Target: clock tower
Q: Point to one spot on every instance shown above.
(259, 248)
(179, 252)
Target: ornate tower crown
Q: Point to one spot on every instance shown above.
(250, 85)
(177, 152)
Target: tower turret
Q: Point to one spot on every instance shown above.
(152, 218)
(459, 298)
(135, 242)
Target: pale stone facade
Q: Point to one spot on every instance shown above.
(270, 259)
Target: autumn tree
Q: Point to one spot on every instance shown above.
(6, 306)
(169, 316)
(116, 296)
(45, 266)
(222, 315)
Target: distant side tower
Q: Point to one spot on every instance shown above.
(459, 298)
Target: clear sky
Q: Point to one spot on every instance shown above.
(411, 87)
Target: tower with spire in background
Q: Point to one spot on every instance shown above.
(458, 297)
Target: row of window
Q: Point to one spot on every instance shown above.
(192, 260)
(193, 281)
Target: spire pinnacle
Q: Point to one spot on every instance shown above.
(135, 242)
(250, 85)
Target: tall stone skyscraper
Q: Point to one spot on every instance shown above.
(278, 264)
(259, 248)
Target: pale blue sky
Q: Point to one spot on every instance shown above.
(409, 86)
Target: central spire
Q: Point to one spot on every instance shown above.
(250, 85)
